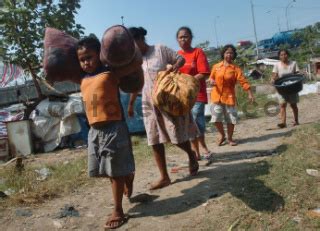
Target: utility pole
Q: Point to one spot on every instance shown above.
(279, 27)
(287, 7)
(215, 30)
(254, 27)
(122, 20)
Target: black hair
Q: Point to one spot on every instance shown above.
(138, 33)
(225, 48)
(283, 50)
(186, 29)
(89, 42)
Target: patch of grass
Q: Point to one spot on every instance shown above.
(251, 110)
(276, 193)
(64, 178)
(30, 189)
(141, 150)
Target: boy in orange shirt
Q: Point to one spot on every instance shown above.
(109, 144)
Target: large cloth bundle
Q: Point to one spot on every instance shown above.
(175, 93)
(60, 57)
(117, 47)
(133, 82)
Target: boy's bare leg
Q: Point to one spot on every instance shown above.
(128, 185)
(193, 163)
(159, 155)
(117, 217)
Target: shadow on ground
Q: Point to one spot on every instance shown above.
(265, 137)
(238, 179)
(243, 155)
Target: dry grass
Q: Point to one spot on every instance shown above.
(65, 177)
(30, 189)
(272, 194)
(276, 193)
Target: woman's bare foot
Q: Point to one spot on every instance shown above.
(232, 143)
(128, 185)
(160, 184)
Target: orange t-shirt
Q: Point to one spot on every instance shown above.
(101, 98)
(196, 63)
(226, 78)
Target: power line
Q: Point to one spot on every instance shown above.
(283, 7)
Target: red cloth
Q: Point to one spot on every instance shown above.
(196, 63)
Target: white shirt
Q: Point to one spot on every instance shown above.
(282, 70)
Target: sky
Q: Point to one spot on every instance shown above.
(217, 21)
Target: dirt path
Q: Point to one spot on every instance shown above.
(184, 204)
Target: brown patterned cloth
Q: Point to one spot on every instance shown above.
(162, 127)
(175, 93)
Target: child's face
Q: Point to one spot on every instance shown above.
(89, 59)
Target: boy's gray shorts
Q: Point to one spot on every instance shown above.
(110, 150)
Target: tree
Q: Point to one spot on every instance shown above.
(22, 27)
(203, 45)
(310, 39)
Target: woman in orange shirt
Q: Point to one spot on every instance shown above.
(224, 76)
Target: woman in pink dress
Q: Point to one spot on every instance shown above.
(160, 126)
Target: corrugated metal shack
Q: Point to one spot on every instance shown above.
(27, 92)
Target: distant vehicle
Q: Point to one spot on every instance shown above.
(244, 43)
(278, 39)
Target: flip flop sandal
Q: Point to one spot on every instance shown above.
(282, 125)
(119, 220)
(221, 141)
(207, 156)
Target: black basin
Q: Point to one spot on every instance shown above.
(289, 84)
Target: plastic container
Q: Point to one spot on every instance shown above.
(289, 84)
(19, 135)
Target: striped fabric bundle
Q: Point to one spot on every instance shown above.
(8, 73)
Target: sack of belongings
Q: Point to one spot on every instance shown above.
(133, 82)
(60, 60)
(117, 47)
(175, 93)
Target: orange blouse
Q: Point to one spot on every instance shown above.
(226, 78)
